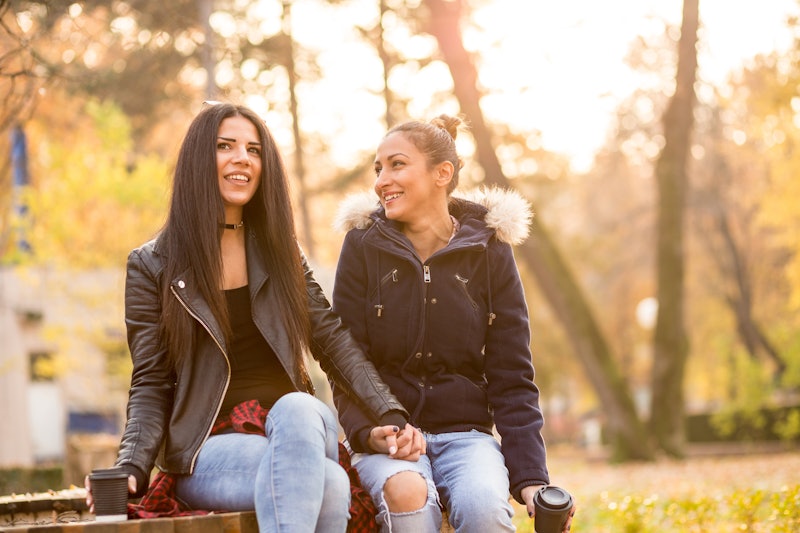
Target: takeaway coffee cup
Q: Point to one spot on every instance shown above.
(110, 494)
(553, 505)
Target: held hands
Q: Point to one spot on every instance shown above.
(527, 496)
(407, 443)
(90, 498)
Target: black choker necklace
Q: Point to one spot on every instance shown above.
(233, 226)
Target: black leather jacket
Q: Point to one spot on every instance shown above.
(170, 412)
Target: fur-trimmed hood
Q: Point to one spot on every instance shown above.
(507, 212)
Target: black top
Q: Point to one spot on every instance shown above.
(256, 372)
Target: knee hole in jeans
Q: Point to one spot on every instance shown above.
(405, 492)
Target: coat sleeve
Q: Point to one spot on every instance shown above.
(152, 382)
(349, 295)
(510, 375)
(344, 362)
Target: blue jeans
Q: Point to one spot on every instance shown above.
(292, 478)
(465, 470)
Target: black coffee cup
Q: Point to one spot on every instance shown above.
(110, 493)
(553, 505)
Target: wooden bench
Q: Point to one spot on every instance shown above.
(243, 522)
(66, 512)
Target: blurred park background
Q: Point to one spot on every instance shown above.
(655, 140)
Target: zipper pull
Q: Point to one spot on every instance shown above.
(426, 273)
(492, 316)
(379, 308)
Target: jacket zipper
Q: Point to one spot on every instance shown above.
(227, 379)
(463, 284)
(391, 275)
(426, 278)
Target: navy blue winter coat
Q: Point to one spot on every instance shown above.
(450, 336)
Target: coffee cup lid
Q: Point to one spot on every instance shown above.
(115, 472)
(554, 497)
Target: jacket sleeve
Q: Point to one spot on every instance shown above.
(509, 373)
(343, 361)
(152, 383)
(349, 295)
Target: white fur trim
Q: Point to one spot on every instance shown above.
(354, 211)
(509, 214)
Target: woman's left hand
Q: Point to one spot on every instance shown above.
(410, 444)
(406, 443)
(527, 496)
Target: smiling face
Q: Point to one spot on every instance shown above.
(238, 164)
(408, 189)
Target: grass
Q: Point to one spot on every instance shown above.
(726, 493)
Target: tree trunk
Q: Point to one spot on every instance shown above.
(204, 9)
(386, 61)
(741, 301)
(299, 163)
(670, 339)
(627, 433)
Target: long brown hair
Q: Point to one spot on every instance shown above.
(190, 239)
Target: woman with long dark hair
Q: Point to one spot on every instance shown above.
(221, 308)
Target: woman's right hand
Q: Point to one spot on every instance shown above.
(407, 443)
(90, 499)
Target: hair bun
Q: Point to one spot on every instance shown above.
(448, 123)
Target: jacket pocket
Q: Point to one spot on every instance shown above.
(390, 277)
(462, 282)
(455, 400)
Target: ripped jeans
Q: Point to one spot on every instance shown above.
(464, 470)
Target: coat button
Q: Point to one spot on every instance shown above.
(429, 354)
(181, 284)
(433, 301)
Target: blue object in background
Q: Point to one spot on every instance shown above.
(92, 423)
(19, 156)
(21, 178)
